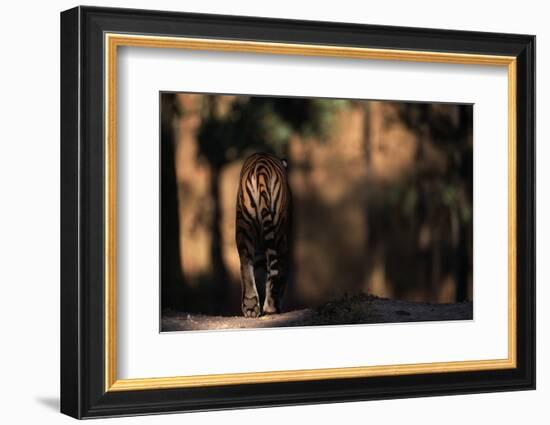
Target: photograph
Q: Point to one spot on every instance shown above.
(300, 211)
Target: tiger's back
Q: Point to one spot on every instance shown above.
(262, 226)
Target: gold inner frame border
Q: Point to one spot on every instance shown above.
(111, 43)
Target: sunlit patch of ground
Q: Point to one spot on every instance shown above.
(358, 309)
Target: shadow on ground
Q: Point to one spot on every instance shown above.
(49, 402)
(360, 309)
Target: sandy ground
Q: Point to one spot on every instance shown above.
(350, 310)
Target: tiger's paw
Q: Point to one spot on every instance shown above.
(271, 312)
(251, 307)
(270, 308)
(252, 312)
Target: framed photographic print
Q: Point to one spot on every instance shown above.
(261, 212)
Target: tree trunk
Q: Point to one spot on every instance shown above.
(172, 284)
(462, 265)
(219, 273)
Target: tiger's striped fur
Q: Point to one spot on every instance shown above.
(263, 224)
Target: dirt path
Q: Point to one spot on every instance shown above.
(354, 310)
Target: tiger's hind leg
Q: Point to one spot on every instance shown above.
(275, 282)
(250, 300)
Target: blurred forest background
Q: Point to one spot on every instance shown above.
(382, 195)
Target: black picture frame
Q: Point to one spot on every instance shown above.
(83, 392)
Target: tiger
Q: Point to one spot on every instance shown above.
(263, 221)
